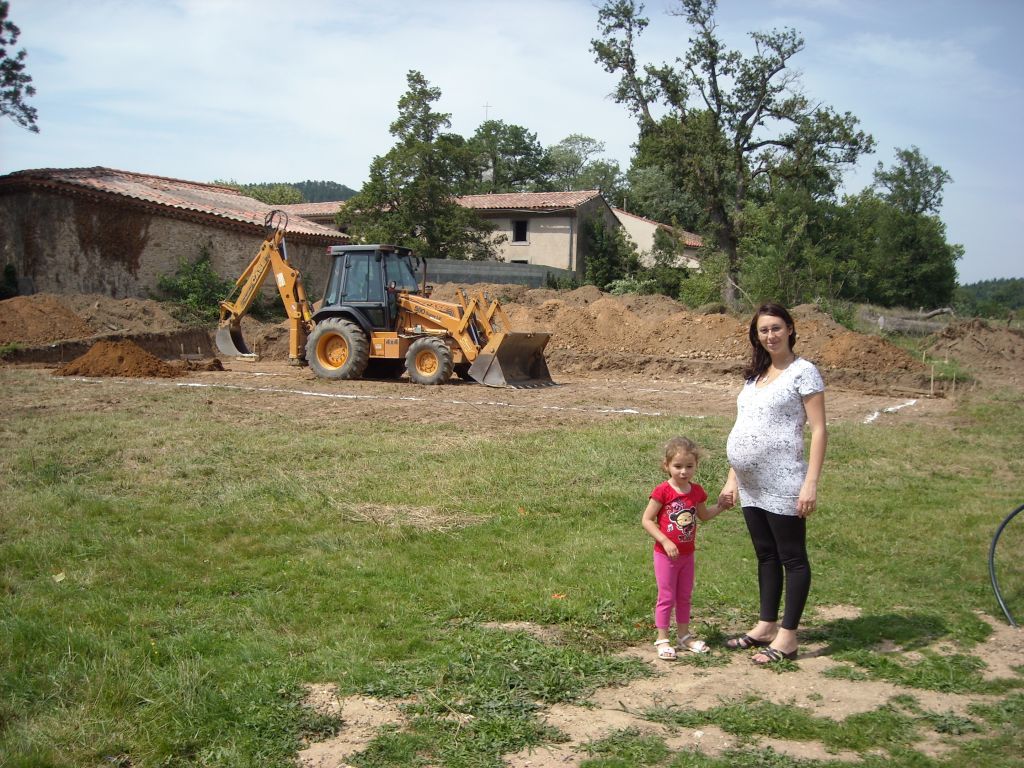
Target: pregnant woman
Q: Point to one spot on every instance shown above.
(776, 487)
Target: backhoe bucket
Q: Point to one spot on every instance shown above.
(514, 360)
(230, 342)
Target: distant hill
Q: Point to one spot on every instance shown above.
(323, 191)
(992, 298)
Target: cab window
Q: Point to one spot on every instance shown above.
(359, 278)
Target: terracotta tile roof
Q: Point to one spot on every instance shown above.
(176, 198)
(313, 209)
(690, 239)
(532, 201)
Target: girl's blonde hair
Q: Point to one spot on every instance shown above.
(678, 445)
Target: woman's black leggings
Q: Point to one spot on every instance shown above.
(780, 542)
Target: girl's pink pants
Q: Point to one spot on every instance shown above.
(675, 588)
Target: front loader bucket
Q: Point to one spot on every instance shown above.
(230, 342)
(514, 360)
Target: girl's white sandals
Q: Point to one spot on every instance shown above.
(693, 646)
(665, 650)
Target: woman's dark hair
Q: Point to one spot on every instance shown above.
(759, 357)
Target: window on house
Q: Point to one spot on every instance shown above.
(520, 228)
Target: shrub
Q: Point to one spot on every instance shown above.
(195, 289)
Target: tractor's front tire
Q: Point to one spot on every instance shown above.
(337, 349)
(429, 361)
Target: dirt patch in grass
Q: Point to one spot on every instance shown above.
(543, 633)
(698, 687)
(362, 718)
(421, 518)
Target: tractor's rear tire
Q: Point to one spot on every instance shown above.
(429, 361)
(337, 349)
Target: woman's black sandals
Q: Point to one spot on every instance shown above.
(773, 656)
(743, 642)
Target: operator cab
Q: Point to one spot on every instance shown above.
(368, 278)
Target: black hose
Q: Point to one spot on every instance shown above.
(992, 565)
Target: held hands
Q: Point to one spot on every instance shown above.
(727, 497)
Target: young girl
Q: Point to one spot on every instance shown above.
(671, 520)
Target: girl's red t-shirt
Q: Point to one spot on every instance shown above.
(677, 518)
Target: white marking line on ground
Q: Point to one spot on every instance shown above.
(343, 396)
(890, 409)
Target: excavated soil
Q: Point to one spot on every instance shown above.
(40, 319)
(45, 318)
(984, 348)
(616, 354)
(592, 332)
(118, 358)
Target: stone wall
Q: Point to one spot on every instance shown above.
(61, 244)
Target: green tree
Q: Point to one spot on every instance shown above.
(15, 83)
(897, 241)
(575, 164)
(903, 258)
(606, 176)
(735, 125)
(912, 185)
(510, 159)
(796, 249)
(652, 193)
(410, 196)
(999, 298)
(610, 256)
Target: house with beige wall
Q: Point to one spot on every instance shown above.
(543, 228)
(642, 231)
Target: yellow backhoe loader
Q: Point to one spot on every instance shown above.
(375, 319)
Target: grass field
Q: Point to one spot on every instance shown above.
(173, 571)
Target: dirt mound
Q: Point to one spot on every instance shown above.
(44, 318)
(595, 331)
(270, 340)
(122, 315)
(867, 353)
(590, 331)
(118, 358)
(987, 350)
(40, 319)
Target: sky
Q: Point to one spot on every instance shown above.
(264, 91)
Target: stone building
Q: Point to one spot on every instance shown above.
(98, 230)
